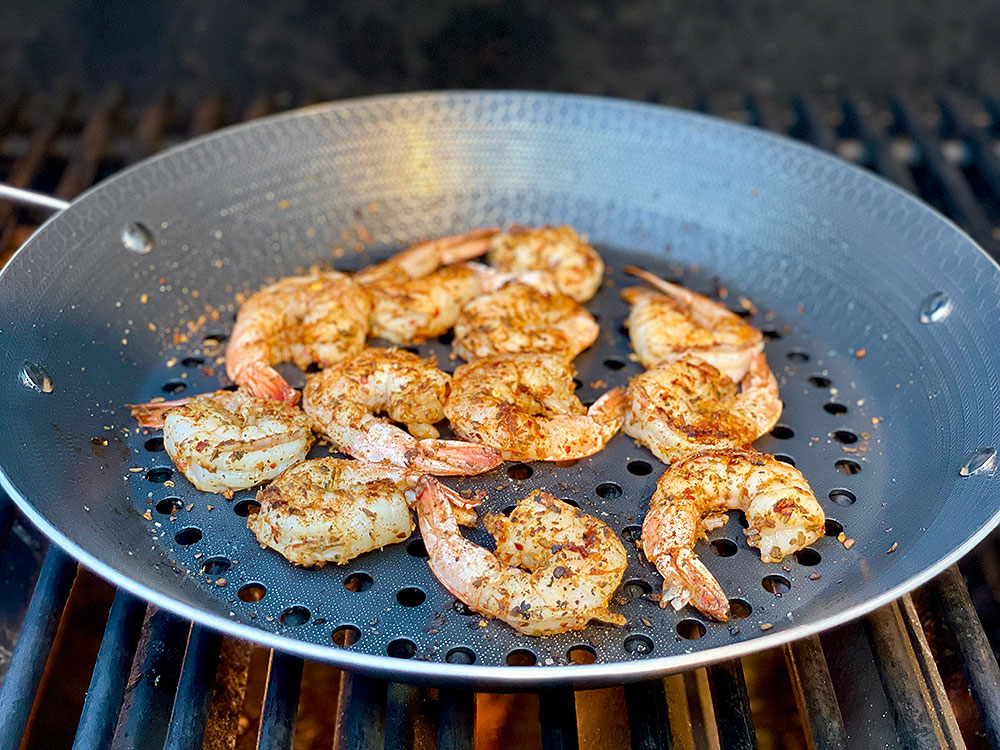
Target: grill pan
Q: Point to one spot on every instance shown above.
(880, 317)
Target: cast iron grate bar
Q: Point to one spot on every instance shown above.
(194, 689)
(648, 719)
(281, 702)
(815, 695)
(557, 712)
(361, 713)
(27, 663)
(400, 715)
(456, 719)
(152, 682)
(978, 661)
(107, 683)
(732, 706)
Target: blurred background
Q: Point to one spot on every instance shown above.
(662, 50)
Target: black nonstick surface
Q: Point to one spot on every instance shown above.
(880, 317)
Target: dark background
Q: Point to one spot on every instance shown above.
(666, 50)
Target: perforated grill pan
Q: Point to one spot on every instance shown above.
(881, 319)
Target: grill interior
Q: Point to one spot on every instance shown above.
(917, 672)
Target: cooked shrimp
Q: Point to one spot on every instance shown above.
(320, 318)
(520, 318)
(693, 494)
(555, 568)
(688, 406)
(672, 322)
(344, 399)
(417, 294)
(330, 510)
(577, 268)
(229, 440)
(524, 405)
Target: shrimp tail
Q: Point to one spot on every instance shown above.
(264, 381)
(610, 408)
(152, 413)
(435, 507)
(462, 509)
(455, 247)
(687, 580)
(452, 458)
(676, 291)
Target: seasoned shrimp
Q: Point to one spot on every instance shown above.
(672, 322)
(555, 568)
(343, 401)
(320, 318)
(521, 318)
(575, 265)
(330, 510)
(229, 440)
(417, 294)
(688, 406)
(693, 494)
(524, 405)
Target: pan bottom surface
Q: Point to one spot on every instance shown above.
(388, 602)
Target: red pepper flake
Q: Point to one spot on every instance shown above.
(519, 547)
(148, 516)
(814, 576)
(860, 353)
(161, 280)
(220, 582)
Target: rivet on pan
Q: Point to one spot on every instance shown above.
(137, 238)
(978, 462)
(935, 308)
(36, 377)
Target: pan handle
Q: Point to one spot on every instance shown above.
(31, 198)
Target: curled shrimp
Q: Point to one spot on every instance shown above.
(524, 405)
(694, 493)
(671, 322)
(329, 510)
(229, 440)
(521, 318)
(575, 265)
(417, 294)
(318, 318)
(555, 569)
(344, 399)
(688, 405)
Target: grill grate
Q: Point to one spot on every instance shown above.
(159, 681)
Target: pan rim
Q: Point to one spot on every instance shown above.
(495, 677)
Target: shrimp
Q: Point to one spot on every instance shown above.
(329, 510)
(575, 265)
(229, 440)
(321, 318)
(667, 324)
(343, 401)
(693, 494)
(416, 294)
(688, 406)
(524, 405)
(520, 318)
(555, 569)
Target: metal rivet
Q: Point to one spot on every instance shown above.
(35, 377)
(978, 462)
(935, 308)
(137, 238)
